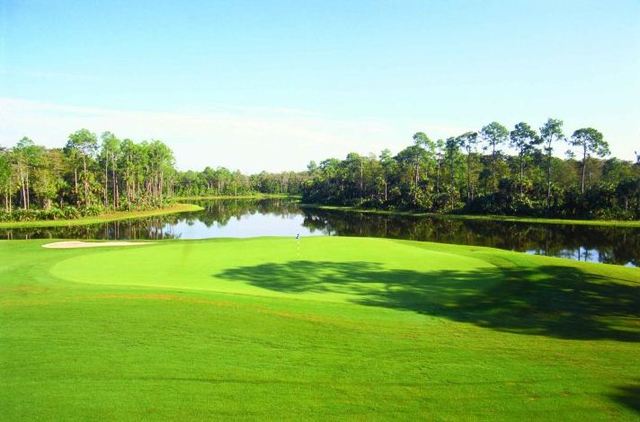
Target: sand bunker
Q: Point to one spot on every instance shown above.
(80, 244)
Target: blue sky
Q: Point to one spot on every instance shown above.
(274, 84)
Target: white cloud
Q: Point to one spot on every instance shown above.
(248, 139)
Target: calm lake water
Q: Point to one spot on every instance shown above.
(274, 217)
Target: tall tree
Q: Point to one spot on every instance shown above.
(128, 164)
(354, 167)
(550, 132)
(49, 177)
(439, 156)
(523, 139)
(81, 148)
(109, 151)
(161, 162)
(416, 160)
(6, 178)
(469, 141)
(495, 135)
(27, 157)
(453, 158)
(388, 169)
(591, 142)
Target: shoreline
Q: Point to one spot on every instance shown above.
(103, 218)
(501, 218)
(254, 196)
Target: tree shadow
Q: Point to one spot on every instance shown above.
(555, 301)
(628, 395)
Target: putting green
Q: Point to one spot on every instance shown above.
(320, 267)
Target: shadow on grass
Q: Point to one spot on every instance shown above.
(556, 301)
(628, 395)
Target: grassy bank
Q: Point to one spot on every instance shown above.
(251, 196)
(507, 218)
(103, 218)
(326, 327)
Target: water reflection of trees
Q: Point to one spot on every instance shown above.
(221, 211)
(217, 213)
(605, 244)
(147, 228)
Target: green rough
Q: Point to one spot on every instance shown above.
(319, 328)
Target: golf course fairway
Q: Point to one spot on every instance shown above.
(317, 328)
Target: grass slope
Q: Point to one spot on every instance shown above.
(507, 218)
(103, 218)
(327, 327)
(248, 196)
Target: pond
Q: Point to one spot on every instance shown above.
(282, 217)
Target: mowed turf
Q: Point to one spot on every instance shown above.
(319, 328)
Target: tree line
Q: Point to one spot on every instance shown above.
(223, 182)
(471, 173)
(467, 173)
(92, 174)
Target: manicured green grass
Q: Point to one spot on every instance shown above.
(103, 218)
(507, 218)
(326, 327)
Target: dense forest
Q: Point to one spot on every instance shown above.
(222, 182)
(92, 174)
(470, 173)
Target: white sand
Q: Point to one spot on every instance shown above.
(80, 244)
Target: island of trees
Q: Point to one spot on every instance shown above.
(469, 173)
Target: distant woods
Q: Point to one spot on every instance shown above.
(92, 174)
(470, 173)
